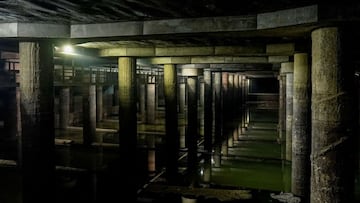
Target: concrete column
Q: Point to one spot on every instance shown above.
(108, 101)
(288, 69)
(151, 100)
(143, 102)
(225, 113)
(247, 112)
(116, 95)
(37, 120)
(244, 106)
(127, 125)
(282, 112)
(89, 115)
(10, 119)
(64, 107)
(240, 102)
(333, 116)
(237, 107)
(300, 170)
(192, 125)
(171, 125)
(230, 95)
(182, 97)
(99, 103)
(218, 119)
(208, 120)
(18, 127)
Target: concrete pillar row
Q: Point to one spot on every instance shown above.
(37, 121)
(288, 69)
(300, 175)
(334, 116)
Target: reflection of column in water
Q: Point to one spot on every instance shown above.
(97, 164)
(286, 175)
(182, 130)
(236, 133)
(142, 103)
(230, 138)
(224, 148)
(151, 153)
(94, 186)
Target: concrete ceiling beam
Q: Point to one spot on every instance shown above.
(255, 50)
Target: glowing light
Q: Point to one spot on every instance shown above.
(68, 49)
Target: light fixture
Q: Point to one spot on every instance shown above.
(68, 49)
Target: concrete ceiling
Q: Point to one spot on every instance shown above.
(101, 24)
(100, 11)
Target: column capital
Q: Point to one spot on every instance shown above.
(287, 67)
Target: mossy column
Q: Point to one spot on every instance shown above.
(300, 170)
(127, 126)
(333, 116)
(37, 121)
(171, 122)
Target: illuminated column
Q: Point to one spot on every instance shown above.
(171, 125)
(37, 121)
(127, 125)
(182, 95)
(333, 116)
(300, 181)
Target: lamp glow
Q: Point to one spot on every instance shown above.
(68, 49)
